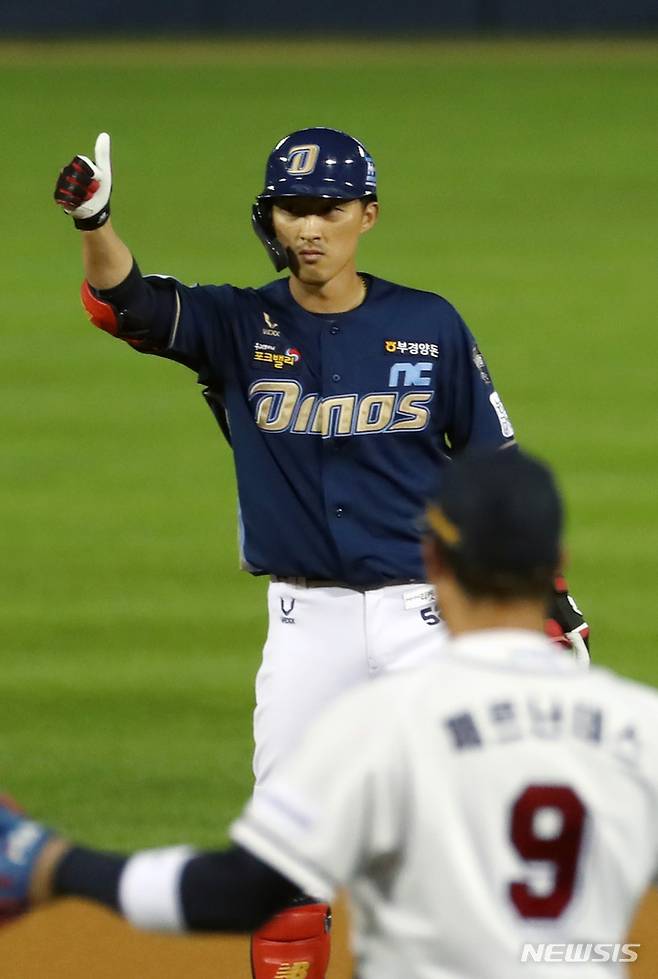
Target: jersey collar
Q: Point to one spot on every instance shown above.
(512, 649)
(368, 280)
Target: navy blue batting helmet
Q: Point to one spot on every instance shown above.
(316, 162)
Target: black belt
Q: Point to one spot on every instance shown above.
(328, 583)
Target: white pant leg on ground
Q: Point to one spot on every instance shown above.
(315, 649)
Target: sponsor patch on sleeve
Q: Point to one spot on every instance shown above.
(503, 417)
(480, 364)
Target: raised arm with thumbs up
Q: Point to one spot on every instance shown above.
(83, 190)
(84, 186)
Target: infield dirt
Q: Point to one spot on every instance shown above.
(75, 941)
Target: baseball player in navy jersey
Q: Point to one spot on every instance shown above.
(345, 397)
(483, 810)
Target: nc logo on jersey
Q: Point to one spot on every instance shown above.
(413, 375)
(302, 159)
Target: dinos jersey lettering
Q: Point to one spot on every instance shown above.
(342, 423)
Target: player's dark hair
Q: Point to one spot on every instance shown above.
(503, 585)
(496, 524)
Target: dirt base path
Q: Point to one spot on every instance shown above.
(77, 941)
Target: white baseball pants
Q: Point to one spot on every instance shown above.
(322, 641)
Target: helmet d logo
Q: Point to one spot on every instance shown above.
(302, 159)
(312, 162)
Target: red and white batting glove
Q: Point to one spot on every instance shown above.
(565, 623)
(83, 187)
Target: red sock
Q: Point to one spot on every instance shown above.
(294, 944)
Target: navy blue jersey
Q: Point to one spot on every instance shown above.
(340, 424)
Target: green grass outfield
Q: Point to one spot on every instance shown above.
(517, 179)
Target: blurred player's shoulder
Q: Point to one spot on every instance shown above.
(480, 676)
(626, 691)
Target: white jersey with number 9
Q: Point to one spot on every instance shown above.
(477, 809)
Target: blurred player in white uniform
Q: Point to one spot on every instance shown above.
(502, 797)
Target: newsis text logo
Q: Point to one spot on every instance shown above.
(573, 952)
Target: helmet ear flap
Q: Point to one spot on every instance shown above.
(261, 219)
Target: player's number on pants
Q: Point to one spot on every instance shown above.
(547, 825)
(430, 615)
